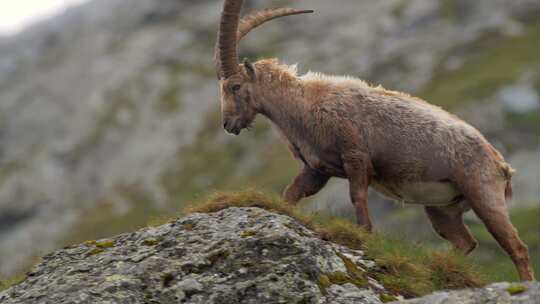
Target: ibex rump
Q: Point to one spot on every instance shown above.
(400, 145)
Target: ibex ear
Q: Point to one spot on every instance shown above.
(250, 69)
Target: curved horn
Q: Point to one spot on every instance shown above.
(256, 19)
(227, 37)
(253, 20)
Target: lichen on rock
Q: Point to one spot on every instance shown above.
(237, 255)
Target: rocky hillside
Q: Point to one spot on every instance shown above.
(109, 113)
(242, 255)
(234, 255)
(248, 255)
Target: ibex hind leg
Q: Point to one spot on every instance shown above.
(448, 223)
(487, 199)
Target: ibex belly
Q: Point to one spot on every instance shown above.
(326, 163)
(424, 193)
(330, 168)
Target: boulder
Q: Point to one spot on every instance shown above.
(237, 255)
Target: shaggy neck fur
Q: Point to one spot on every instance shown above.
(292, 102)
(280, 96)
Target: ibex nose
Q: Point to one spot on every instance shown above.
(231, 126)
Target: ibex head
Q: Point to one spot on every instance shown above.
(238, 81)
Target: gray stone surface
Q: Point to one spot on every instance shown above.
(499, 293)
(238, 255)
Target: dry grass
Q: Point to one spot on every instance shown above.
(405, 269)
(451, 271)
(248, 198)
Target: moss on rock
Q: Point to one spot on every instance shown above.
(105, 244)
(515, 289)
(404, 269)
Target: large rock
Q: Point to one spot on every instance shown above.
(500, 293)
(238, 255)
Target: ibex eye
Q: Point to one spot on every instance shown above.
(236, 87)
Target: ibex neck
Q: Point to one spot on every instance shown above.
(281, 99)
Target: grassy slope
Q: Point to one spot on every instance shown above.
(492, 62)
(411, 223)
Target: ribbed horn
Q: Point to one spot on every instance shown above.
(258, 18)
(247, 24)
(227, 38)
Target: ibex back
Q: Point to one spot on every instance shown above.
(402, 146)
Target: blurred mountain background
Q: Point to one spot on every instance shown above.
(109, 113)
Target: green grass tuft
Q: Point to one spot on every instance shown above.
(516, 289)
(356, 275)
(324, 283)
(105, 244)
(248, 233)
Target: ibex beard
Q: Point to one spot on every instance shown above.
(402, 146)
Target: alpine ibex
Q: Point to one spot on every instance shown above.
(402, 146)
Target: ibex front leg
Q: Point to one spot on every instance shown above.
(357, 169)
(307, 183)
